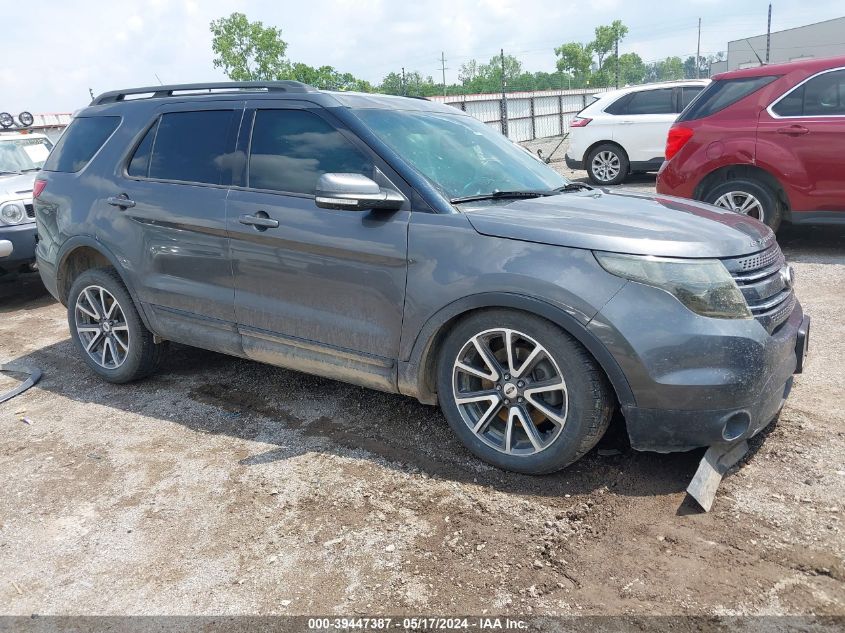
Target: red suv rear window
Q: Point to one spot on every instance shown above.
(722, 93)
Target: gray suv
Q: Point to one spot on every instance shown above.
(404, 246)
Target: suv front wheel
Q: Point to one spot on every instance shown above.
(107, 329)
(520, 393)
(748, 197)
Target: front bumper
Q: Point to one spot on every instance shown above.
(572, 163)
(698, 381)
(21, 239)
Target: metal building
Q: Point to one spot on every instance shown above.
(822, 39)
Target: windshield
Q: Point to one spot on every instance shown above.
(23, 154)
(460, 155)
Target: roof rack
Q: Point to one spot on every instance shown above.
(157, 92)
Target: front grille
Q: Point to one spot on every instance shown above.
(30, 210)
(768, 294)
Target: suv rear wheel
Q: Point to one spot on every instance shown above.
(607, 164)
(107, 330)
(749, 197)
(520, 393)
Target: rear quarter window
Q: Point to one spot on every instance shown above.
(81, 140)
(722, 93)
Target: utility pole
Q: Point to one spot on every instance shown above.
(404, 91)
(616, 53)
(443, 68)
(769, 34)
(698, 53)
(504, 96)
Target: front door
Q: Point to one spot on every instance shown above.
(803, 134)
(315, 289)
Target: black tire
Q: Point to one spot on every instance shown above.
(620, 156)
(142, 356)
(589, 399)
(772, 213)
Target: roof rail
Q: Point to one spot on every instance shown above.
(156, 92)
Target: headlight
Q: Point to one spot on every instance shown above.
(703, 285)
(12, 213)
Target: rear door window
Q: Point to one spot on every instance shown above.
(688, 93)
(823, 95)
(722, 93)
(291, 149)
(80, 141)
(186, 147)
(651, 102)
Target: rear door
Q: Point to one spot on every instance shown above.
(321, 290)
(172, 193)
(644, 122)
(803, 132)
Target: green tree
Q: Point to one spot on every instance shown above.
(468, 71)
(669, 69)
(607, 37)
(392, 84)
(575, 60)
(690, 69)
(248, 51)
(632, 70)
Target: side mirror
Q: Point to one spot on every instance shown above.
(354, 192)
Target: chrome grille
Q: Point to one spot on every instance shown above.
(769, 296)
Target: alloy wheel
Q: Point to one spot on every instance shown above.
(741, 202)
(101, 327)
(510, 391)
(605, 166)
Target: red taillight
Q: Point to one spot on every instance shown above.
(678, 137)
(38, 187)
(579, 122)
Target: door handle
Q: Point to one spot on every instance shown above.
(121, 201)
(260, 220)
(793, 130)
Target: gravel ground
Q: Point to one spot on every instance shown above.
(222, 486)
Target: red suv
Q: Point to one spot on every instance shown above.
(766, 141)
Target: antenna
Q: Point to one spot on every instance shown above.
(755, 52)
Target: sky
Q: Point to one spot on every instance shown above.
(52, 56)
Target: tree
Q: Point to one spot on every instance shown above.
(247, 51)
(669, 69)
(632, 70)
(468, 71)
(606, 39)
(392, 84)
(491, 72)
(690, 70)
(574, 59)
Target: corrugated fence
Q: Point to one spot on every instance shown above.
(528, 115)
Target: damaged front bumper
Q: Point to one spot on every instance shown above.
(702, 382)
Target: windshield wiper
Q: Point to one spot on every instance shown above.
(6, 171)
(24, 171)
(574, 186)
(498, 195)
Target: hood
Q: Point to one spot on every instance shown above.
(623, 222)
(17, 186)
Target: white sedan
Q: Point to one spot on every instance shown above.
(624, 131)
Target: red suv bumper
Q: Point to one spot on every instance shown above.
(672, 182)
